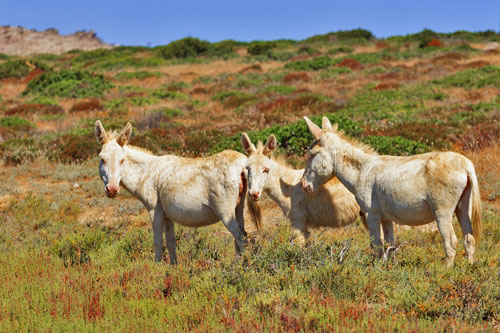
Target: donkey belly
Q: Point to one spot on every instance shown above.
(409, 213)
(193, 214)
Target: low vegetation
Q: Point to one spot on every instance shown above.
(71, 259)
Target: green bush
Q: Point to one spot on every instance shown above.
(16, 123)
(67, 83)
(313, 64)
(19, 68)
(140, 75)
(307, 50)
(135, 244)
(163, 94)
(340, 49)
(75, 249)
(472, 78)
(185, 48)
(293, 138)
(43, 100)
(387, 145)
(281, 89)
(260, 48)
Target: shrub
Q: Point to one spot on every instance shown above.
(293, 77)
(73, 147)
(134, 244)
(31, 109)
(307, 50)
(19, 68)
(16, 123)
(350, 63)
(340, 49)
(139, 75)
(354, 34)
(313, 64)
(284, 90)
(43, 100)
(260, 48)
(92, 104)
(293, 138)
(395, 145)
(170, 94)
(185, 48)
(472, 78)
(67, 83)
(17, 151)
(75, 249)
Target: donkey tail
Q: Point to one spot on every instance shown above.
(255, 212)
(477, 226)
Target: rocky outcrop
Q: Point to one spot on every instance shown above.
(23, 42)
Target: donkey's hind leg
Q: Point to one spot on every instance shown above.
(169, 229)
(463, 210)
(445, 226)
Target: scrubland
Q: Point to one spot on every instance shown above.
(72, 259)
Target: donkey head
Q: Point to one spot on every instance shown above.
(258, 163)
(321, 156)
(112, 156)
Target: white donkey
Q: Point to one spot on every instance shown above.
(193, 192)
(411, 190)
(331, 206)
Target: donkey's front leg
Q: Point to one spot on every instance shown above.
(236, 230)
(157, 218)
(373, 222)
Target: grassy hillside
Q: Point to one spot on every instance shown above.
(70, 258)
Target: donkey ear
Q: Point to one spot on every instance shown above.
(248, 146)
(124, 135)
(270, 146)
(100, 134)
(315, 130)
(326, 124)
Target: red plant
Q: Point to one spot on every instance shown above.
(31, 109)
(89, 105)
(292, 77)
(93, 310)
(386, 86)
(435, 42)
(351, 63)
(33, 75)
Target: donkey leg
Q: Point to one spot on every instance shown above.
(157, 221)
(234, 228)
(299, 229)
(388, 230)
(444, 222)
(373, 222)
(462, 211)
(169, 229)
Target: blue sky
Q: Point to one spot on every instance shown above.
(155, 22)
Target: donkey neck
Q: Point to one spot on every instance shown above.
(349, 161)
(138, 175)
(279, 173)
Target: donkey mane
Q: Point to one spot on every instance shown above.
(353, 142)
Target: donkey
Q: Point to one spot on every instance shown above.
(411, 190)
(332, 206)
(193, 192)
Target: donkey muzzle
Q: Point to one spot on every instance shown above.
(255, 196)
(111, 191)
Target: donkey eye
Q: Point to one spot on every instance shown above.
(103, 161)
(266, 170)
(121, 161)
